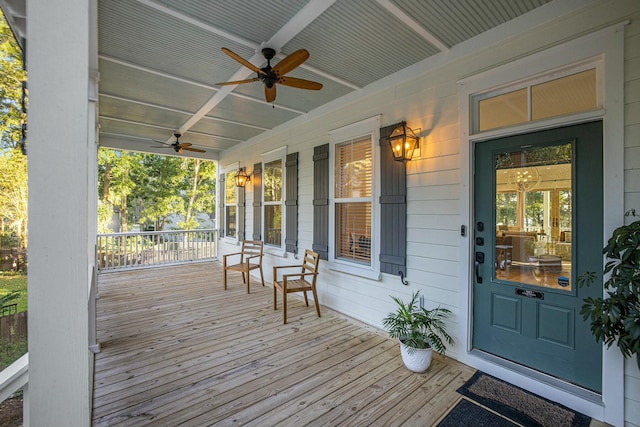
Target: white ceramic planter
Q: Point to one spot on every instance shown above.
(417, 360)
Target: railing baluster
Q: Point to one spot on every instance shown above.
(138, 249)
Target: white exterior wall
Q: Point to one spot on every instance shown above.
(62, 214)
(426, 96)
(632, 183)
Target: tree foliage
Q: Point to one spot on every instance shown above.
(14, 194)
(13, 164)
(12, 75)
(150, 189)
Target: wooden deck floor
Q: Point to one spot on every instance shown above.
(178, 350)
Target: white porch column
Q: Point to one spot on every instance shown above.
(61, 208)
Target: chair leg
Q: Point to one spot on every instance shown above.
(306, 300)
(261, 275)
(224, 275)
(275, 297)
(248, 279)
(315, 299)
(244, 278)
(284, 306)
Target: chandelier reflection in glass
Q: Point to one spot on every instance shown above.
(524, 179)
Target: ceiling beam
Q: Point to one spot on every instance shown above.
(199, 24)
(409, 22)
(187, 81)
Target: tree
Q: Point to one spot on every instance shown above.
(147, 188)
(13, 164)
(13, 193)
(115, 181)
(12, 76)
(201, 194)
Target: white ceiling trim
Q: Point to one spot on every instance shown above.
(199, 24)
(299, 22)
(409, 22)
(262, 101)
(146, 104)
(133, 122)
(156, 72)
(329, 76)
(208, 135)
(232, 122)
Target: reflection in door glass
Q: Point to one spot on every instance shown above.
(533, 214)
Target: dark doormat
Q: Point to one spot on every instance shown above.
(519, 405)
(468, 414)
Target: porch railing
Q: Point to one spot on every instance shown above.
(14, 378)
(143, 249)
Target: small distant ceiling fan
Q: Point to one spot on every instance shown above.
(179, 147)
(271, 75)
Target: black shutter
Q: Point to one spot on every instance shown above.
(393, 208)
(291, 203)
(240, 212)
(321, 200)
(256, 179)
(221, 223)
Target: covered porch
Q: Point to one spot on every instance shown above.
(177, 349)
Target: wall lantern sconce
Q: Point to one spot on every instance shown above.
(242, 178)
(403, 142)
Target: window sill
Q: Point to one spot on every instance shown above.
(355, 270)
(277, 252)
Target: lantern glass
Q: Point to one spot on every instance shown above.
(403, 143)
(241, 178)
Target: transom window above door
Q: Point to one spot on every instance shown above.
(555, 94)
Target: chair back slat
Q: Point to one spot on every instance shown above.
(310, 263)
(251, 248)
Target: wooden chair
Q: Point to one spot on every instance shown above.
(250, 259)
(297, 282)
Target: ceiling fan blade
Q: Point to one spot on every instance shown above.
(270, 93)
(241, 60)
(197, 150)
(290, 62)
(299, 83)
(185, 144)
(238, 82)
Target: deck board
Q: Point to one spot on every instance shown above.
(176, 349)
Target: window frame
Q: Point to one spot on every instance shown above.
(276, 154)
(366, 128)
(528, 83)
(225, 171)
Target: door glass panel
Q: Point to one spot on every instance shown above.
(533, 212)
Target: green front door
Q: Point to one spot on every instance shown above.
(538, 225)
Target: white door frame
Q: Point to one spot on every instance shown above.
(607, 45)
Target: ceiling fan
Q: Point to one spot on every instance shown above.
(271, 75)
(178, 146)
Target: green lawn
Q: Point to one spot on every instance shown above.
(11, 281)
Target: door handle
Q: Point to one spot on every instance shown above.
(479, 260)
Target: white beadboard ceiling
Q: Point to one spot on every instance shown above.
(159, 60)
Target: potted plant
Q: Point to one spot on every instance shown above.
(616, 319)
(419, 331)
